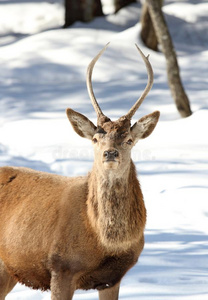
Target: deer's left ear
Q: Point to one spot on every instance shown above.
(81, 124)
(145, 126)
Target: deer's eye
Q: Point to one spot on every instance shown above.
(129, 142)
(94, 140)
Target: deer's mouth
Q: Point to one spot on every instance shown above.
(110, 164)
(110, 159)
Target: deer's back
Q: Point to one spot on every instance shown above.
(27, 189)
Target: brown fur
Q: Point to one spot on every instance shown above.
(49, 230)
(63, 233)
(117, 221)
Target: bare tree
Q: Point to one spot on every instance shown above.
(118, 4)
(148, 34)
(173, 72)
(81, 10)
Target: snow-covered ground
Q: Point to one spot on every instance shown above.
(43, 73)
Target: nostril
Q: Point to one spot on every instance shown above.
(115, 153)
(106, 154)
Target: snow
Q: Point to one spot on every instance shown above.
(43, 72)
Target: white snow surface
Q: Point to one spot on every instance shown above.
(43, 71)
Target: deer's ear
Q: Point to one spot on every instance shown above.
(145, 126)
(81, 124)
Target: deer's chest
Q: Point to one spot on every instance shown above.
(109, 272)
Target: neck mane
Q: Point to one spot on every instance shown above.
(115, 208)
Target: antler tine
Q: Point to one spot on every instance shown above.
(148, 87)
(89, 83)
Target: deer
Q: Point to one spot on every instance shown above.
(62, 233)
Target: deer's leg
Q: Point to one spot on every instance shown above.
(6, 281)
(62, 285)
(110, 294)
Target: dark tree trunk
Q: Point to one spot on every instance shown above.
(148, 34)
(98, 11)
(164, 38)
(81, 10)
(118, 4)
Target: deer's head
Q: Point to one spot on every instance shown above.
(113, 140)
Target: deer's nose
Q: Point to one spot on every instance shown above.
(110, 154)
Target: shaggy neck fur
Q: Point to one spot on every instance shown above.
(115, 208)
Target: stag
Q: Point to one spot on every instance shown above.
(63, 233)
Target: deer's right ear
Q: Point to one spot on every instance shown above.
(81, 124)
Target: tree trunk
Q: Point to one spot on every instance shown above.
(81, 10)
(164, 38)
(118, 4)
(148, 34)
(98, 11)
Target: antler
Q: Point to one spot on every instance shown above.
(101, 117)
(89, 83)
(134, 108)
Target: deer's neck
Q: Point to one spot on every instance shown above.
(115, 208)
